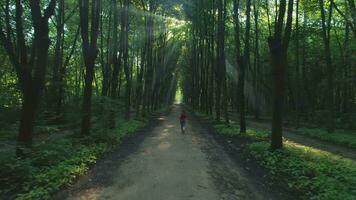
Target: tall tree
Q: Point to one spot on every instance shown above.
(125, 53)
(256, 64)
(89, 13)
(58, 57)
(31, 66)
(353, 15)
(297, 58)
(278, 46)
(149, 29)
(221, 63)
(107, 46)
(326, 27)
(116, 55)
(245, 64)
(237, 36)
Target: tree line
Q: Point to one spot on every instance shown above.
(289, 59)
(57, 53)
(292, 60)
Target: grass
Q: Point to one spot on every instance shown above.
(310, 173)
(234, 130)
(339, 137)
(54, 165)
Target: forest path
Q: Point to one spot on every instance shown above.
(291, 135)
(167, 165)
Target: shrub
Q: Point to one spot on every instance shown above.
(57, 164)
(13, 172)
(338, 137)
(314, 174)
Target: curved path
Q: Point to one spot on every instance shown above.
(293, 136)
(163, 164)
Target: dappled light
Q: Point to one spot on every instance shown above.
(164, 146)
(161, 118)
(177, 99)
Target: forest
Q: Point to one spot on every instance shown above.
(272, 82)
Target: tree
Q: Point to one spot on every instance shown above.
(239, 57)
(326, 27)
(221, 63)
(61, 60)
(278, 46)
(149, 29)
(297, 57)
(30, 66)
(245, 64)
(90, 52)
(116, 55)
(125, 53)
(256, 64)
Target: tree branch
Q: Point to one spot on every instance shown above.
(288, 28)
(343, 16)
(50, 9)
(71, 14)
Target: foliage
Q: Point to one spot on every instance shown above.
(55, 165)
(48, 180)
(13, 173)
(340, 137)
(124, 128)
(311, 173)
(234, 130)
(203, 116)
(227, 130)
(314, 174)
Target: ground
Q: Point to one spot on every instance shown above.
(162, 163)
(290, 134)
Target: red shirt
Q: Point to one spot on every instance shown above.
(183, 117)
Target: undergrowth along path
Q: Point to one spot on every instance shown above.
(163, 163)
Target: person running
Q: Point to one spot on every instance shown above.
(183, 119)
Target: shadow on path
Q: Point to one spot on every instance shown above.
(161, 163)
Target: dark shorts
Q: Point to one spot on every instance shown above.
(182, 123)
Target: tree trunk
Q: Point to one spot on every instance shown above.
(256, 63)
(87, 96)
(127, 69)
(278, 46)
(279, 69)
(90, 51)
(245, 64)
(116, 59)
(326, 26)
(220, 58)
(62, 73)
(29, 106)
(149, 66)
(139, 87)
(58, 58)
(297, 91)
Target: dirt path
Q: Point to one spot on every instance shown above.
(307, 141)
(163, 164)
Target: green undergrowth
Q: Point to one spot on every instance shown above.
(55, 165)
(310, 173)
(232, 130)
(340, 137)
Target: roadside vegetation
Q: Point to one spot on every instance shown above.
(340, 137)
(308, 172)
(76, 76)
(53, 165)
